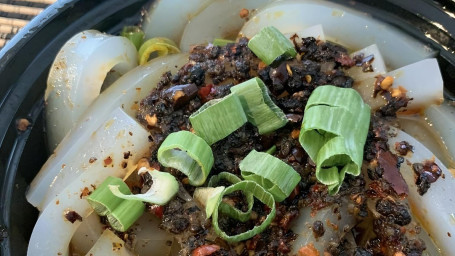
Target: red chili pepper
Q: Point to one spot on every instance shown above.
(205, 91)
(206, 249)
(157, 210)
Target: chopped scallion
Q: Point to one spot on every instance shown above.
(218, 118)
(271, 46)
(187, 153)
(159, 45)
(271, 150)
(208, 198)
(258, 106)
(333, 133)
(228, 209)
(120, 213)
(261, 194)
(134, 34)
(222, 42)
(215, 179)
(102, 200)
(125, 214)
(277, 177)
(163, 189)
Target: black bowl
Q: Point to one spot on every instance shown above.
(25, 62)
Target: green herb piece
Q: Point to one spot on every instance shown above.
(120, 213)
(215, 179)
(134, 34)
(333, 133)
(277, 177)
(159, 45)
(187, 153)
(271, 46)
(271, 150)
(261, 194)
(228, 209)
(125, 214)
(218, 118)
(208, 198)
(258, 106)
(163, 189)
(222, 42)
(102, 200)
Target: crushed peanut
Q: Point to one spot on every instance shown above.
(151, 120)
(288, 68)
(143, 162)
(399, 92)
(386, 83)
(308, 78)
(177, 95)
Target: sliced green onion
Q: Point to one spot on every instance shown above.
(134, 34)
(163, 189)
(125, 214)
(271, 150)
(333, 133)
(348, 99)
(215, 179)
(258, 192)
(102, 200)
(187, 153)
(159, 45)
(120, 213)
(258, 106)
(227, 208)
(271, 46)
(277, 177)
(222, 42)
(218, 118)
(208, 198)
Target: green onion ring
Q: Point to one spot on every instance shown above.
(187, 153)
(271, 46)
(258, 192)
(227, 209)
(333, 133)
(258, 106)
(102, 200)
(161, 45)
(274, 175)
(218, 118)
(134, 34)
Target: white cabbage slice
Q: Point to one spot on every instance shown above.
(109, 244)
(77, 74)
(52, 221)
(435, 210)
(377, 64)
(126, 93)
(422, 80)
(220, 19)
(342, 25)
(168, 18)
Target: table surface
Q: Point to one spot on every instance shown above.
(15, 14)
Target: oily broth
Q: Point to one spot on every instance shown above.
(418, 127)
